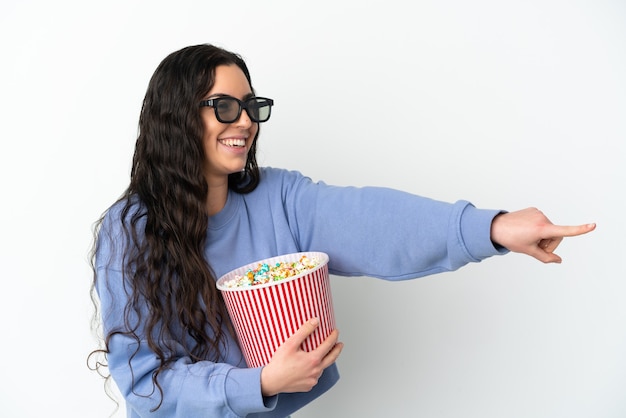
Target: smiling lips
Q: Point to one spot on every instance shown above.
(232, 142)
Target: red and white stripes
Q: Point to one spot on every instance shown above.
(264, 316)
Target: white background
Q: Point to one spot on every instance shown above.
(507, 104)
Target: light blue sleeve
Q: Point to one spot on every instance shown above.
(386, 233)
(189, 389)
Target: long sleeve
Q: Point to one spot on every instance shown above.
(190, 389)
(385, 233)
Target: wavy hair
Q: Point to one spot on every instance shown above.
(172, 284)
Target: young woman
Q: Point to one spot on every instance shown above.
(198, 206)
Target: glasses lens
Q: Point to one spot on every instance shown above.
(259, 109)
(227, 109)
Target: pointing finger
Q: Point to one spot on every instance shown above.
(555, 231)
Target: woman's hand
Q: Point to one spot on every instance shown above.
(292, 369)
(530, 232)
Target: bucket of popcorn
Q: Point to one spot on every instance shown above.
(268, 301)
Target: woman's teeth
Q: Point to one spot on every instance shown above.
(230, 142)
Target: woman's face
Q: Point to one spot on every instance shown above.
(226, 145)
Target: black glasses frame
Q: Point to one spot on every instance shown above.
(247, 104)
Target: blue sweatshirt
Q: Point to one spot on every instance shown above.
(368, 231)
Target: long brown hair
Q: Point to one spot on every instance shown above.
(171, 282)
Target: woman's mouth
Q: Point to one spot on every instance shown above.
(232, 142)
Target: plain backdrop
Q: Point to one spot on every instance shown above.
(507, 104)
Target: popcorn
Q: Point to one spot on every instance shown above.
(264, 273)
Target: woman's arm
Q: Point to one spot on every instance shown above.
(200, 388)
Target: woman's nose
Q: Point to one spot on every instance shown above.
(244, 120)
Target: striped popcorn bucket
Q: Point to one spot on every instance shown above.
(265, 315)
